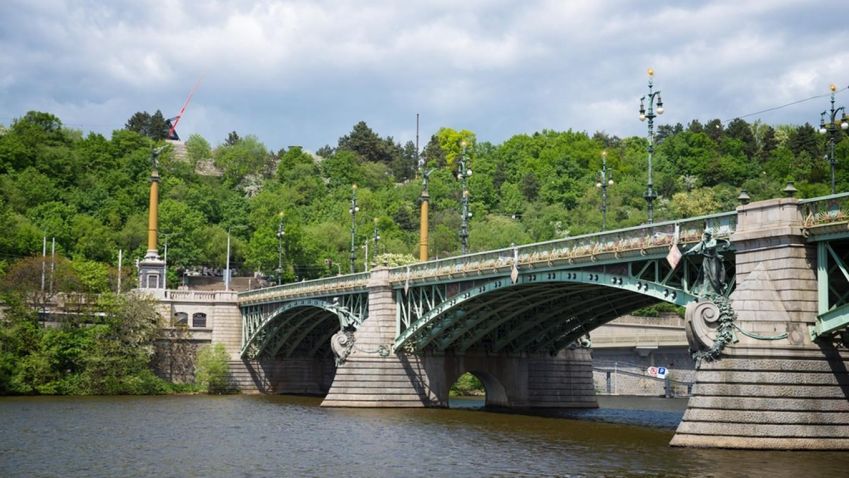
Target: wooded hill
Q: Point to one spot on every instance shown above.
(91, 192)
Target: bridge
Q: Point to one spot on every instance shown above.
(766, 294)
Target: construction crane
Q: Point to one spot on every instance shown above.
(172, 122)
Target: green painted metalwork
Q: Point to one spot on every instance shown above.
(458, 302)
(268, 326)
(579, 315)
(282, 330)
(830, 322)
(475, 330)
(832, 289)
(544, 314)
(440, 317)
(325, 287)
(611, 247)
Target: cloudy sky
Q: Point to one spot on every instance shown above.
(303, 72)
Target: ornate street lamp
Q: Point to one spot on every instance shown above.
(649, 114)
(376, 239)
(463, 174)
(831, 128)
(354, 210)
(604, 180)
(280, 233)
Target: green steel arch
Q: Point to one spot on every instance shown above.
(289, 324)
(540, 310)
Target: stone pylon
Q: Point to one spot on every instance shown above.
(772, 388)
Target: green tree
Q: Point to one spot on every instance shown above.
(213, 369)
(247, 157)
(197, 149)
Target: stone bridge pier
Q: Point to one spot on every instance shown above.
(375, 376)
(771, 386)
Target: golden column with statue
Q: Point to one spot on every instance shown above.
(152, 267)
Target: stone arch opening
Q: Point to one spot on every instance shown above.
(474, 388)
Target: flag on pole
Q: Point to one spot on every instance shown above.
(674, 256)
(407, 282)
(514, 274)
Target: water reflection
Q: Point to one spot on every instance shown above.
(293, 436)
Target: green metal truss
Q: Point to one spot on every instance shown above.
(268, 328)
(832, 287)
(458, 315)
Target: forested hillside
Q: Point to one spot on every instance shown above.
(90, 192)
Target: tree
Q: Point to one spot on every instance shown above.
(365, 143)
(714, 130)
(238, 161)
(153, 125)
(197, 149)
(138, 122)
(741, 130)
(213, 369)
(232, 138)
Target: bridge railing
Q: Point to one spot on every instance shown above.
(825, 211)
(339, 284)
(585, 248)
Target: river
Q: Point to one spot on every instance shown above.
(258, 436)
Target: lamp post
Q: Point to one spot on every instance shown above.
(227, 265)
(604, 180)
(354, 210)
(280, 233)
(649, 114)
(463, 174)
(227, 268)
(831, 128)
(376, 239)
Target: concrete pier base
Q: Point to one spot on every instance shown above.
(770, 399)
(298, 376)
(373, 375)
(773, 388)
(564, 381)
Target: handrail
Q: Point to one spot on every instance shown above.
(641, 237)
(352, 282)
(830, 197)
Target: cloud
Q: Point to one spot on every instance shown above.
(303, 72)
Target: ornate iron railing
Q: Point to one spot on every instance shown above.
(826, 210)
(589, 248)
(346, 284)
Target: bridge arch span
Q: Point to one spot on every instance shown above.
(539, 312)
(300, 327)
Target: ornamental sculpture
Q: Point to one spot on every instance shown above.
(712, 279)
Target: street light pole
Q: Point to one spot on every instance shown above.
(833, 131)
(376, 239)
(281, 231)
(649, 114)
(463, 175)
(604, 180)
(227, 272)
(354, 210)
(227, 267)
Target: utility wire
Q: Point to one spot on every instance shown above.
(786, 105)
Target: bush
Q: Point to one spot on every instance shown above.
(467, 385)
(213, 369)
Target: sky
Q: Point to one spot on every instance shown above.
(304, 72)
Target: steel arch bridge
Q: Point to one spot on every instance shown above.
(537, 297)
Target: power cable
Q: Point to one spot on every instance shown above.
(786, 105)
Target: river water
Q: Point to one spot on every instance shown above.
(258, 436)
